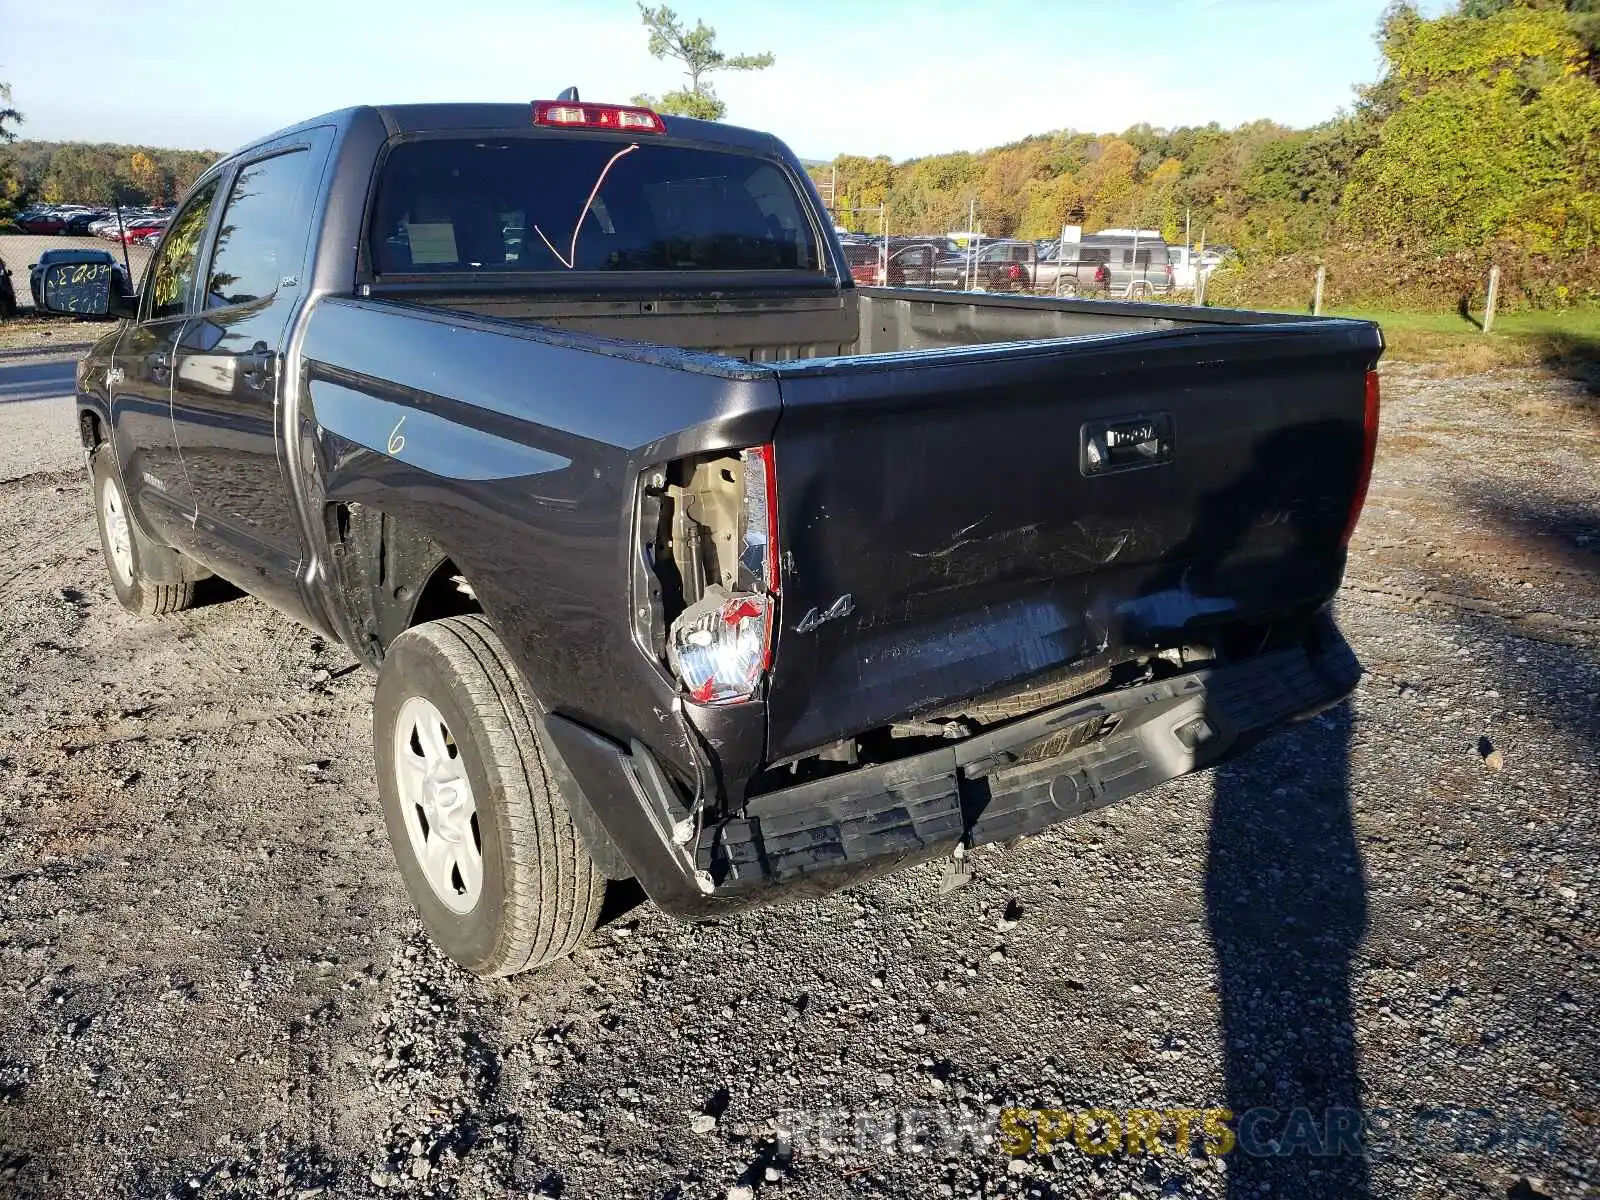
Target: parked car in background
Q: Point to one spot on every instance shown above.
(998, 266)
(41, 221)
(121, 284)
(8, 294)
(142, 232)
(1133, 263)
(911, 262)
(1190, 265)
(865, 260)
(907, 261)
(79, 222)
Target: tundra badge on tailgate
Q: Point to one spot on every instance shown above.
(1125, 444)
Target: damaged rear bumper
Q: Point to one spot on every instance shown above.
(816, 837)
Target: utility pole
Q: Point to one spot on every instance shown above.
(972, 243)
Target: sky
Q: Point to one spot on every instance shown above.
(897, 77)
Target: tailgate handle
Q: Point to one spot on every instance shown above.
(1125, 444)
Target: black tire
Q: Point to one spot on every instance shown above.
(135, 590)
(540, 894)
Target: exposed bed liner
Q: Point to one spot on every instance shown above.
(852, 322)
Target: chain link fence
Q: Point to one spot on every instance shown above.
(1001, 266)
(1120, 270)
(21, 253)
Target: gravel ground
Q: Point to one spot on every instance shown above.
(211, 983)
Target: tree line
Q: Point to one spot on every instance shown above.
(1481, 137)
(95, 174)
(1484, 129)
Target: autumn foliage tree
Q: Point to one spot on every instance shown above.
(1492, 130)
(1483, 130)
(86, 173)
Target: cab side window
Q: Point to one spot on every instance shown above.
(262, 234)
(172, 277)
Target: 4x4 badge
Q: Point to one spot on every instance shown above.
(842, 607)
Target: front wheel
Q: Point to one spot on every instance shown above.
(128, 552)
(490, 857)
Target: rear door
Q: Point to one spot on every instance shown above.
(227, 379)
(142, 373)
(959, 521)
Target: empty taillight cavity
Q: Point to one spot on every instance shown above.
(710, 533)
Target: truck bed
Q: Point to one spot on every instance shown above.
(827, 324)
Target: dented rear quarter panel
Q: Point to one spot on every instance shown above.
(517, 450)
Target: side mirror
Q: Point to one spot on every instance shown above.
(82, 289)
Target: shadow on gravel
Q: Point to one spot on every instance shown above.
(1562, 530)
(1286, 903)
(215, 590)
(1577, 357)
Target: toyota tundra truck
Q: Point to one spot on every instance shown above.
(677, 555)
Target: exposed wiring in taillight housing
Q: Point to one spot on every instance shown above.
(1369, 450)
(714, 554)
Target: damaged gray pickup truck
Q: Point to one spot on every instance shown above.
(677, 555)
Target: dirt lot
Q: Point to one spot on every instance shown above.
(211, 983)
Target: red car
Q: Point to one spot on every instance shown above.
(42, 223)
(137, 234)
(864, 259)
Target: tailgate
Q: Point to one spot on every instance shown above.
(948, 529)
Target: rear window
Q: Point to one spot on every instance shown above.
(585, 204)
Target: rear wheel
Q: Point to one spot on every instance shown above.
(490, 857)
(127, 551)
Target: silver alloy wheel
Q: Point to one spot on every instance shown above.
(436, 799)
(115, 519)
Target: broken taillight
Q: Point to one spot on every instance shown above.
(1369, 449)
(758, 547)
(720, 646)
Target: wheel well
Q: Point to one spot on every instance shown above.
(90, 429)
(446, 594)
(392, 575)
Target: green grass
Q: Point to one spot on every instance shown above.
(1567, 322)
(1564, 340)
